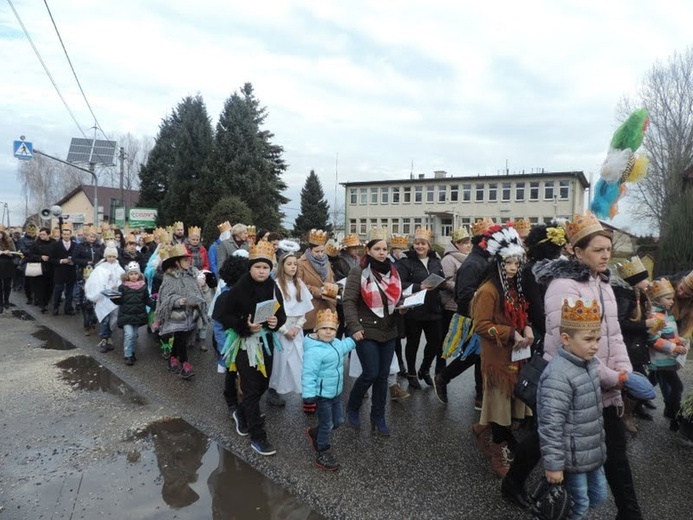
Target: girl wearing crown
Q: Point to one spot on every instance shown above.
(316, 272)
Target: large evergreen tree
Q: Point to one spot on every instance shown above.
(314, 208)
(245, 162)
(154, 174)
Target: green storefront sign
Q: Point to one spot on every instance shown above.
(142, 217)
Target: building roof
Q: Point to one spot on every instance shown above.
(471, 178)
(104, 193)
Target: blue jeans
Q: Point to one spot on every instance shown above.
(330, 416)
(108, 324)
(130, 333)
(58, 289)
(375, 358)
(587, 490)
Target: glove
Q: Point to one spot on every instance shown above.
(309, 406)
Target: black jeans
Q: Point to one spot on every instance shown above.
(179, 349)
(69, 288)
(434, 343)
(230, 393)
(5, 290)
(617, 467)
(527, 456)
(253, 385)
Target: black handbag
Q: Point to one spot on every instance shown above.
(526, 387)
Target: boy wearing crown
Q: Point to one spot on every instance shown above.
(569, 409)
(322, 381)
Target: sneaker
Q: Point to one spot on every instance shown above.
(441, 389)
(274, 399)
(110, 343)
(241, 426)
(232, 410)
(174, 365)
(397, 393)
(103, 346)
(187, 371)
(129, 360)
(263, 447)
(325, 460)
(478, 401)
(312, 435)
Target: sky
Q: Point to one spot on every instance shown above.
(356, 90)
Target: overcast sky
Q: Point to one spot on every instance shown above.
(455, 86)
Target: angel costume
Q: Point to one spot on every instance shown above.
(106, 275)
(288, 356)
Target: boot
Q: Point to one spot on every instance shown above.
(441, 389)
(483, 438)
(413, 382)
(274, 399)
(515, 493)
(353, 419)
(499, 459)
(425, 376)
(628, 419)
(397, 393)
(380, 427)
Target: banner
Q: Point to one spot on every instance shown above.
(143, 217)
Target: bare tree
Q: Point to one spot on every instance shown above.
(667, 93)
(136, 153)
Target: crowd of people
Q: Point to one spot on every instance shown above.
(283, 316)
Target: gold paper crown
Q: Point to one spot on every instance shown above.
(327, 319)
(68, 225)
(331, 290)
(583, 315)
(148, 237)
(262, 250)
(105, 225)
(659, 288)
(317, 237)
(224, 226)
(399, 241)
(195, 231)
(459, 233)
(581, 226)
(89, 229)
(169, 252)
(481, 225)
(422, 233)
(631, 268)
(178, 224)
(108, 234)
(30, 227)
(332, 248)
(158, 232)
(523, 227)
(378, 233)
(687, 284)
(169, 230)
(130, 238)
(351, 240)
(252, 232)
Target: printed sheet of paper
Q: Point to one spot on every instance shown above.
(264, 310)
(414, 300)
(520, 354)
(433, 280)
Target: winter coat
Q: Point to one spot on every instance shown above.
(226, 248)
(67, 272)
(663, 341)
(87, 254)
(573, 279)
(125, 257)
(212, 257)
(470, 276)
(311, 278)
(177, 284)
(359, 316)
(343, 264)
(42, 248)
(323, 366)
(7, 265)
(569, 414)
(25, 243)
(534, 293)
(634, 332)
(200, 258)
(412, 272)
(451, 262)
(133, 304)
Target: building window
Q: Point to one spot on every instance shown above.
(563, 190)
(430, 199)
(353, 196)
(363, 193)
(395, 195)
(520, 191)
(362, 226)
(493, 192)
(384, 195)
(466, 221)
(352, 226)
(534, 190)
(385, 223)
(374, 223)
(480, 192)
(454, 192)
(442, 193)
(506, 191)
(534, 220)
(374, 195)
(418, 194)
(395, 226)
(446, 227)
(466, 192)
(407, 195)
(548, 220)
(417, 223)
(548, 190)
(406, 226)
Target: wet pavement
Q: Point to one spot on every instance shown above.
(429, 468)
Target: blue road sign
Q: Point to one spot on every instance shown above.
(23, 150)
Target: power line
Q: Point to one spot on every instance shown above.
(96, 121)
(38, 55)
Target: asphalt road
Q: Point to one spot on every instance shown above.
(429, 468)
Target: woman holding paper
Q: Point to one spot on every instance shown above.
(415, 270)
(499, 310)
(372, 291)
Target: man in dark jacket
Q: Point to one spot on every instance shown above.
(24, 246)
(64, 270)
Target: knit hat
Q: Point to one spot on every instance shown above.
(132, 267)
(633, 271)
(110, 251)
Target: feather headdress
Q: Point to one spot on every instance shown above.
(503, 242)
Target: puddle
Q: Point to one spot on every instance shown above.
(51, 340)
(22, 315)
(84, 373)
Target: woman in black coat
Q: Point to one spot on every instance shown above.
(42, 286)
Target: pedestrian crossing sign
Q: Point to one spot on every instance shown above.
(23, 150)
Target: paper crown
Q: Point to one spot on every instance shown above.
(632, 271)
(68, 225)
(331, 290)
(399, 241)
(148, 237)
(482, 225)
(351, 240)
(332, 248)
(169, 253)
(105, 225)
(263, 250)
(252, 231)
(459, 233)
(378, 233)
(195, 231)
(108, 234)
(169, 230)
(523, 226)
(687, 284)
(503, 242)
(158, 232)
(178, 224)
(130, 238)
(659, 288)
(224, 226)
(583, 314)
(30, 227)
(422, 233)
(327, 319)
(317, 237)
(582, 226)
(2, 227)
(88, 229)
(86, 272)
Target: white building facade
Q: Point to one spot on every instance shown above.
(442, 203)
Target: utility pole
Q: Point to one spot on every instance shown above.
(121, 156)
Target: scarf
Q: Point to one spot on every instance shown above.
(319, 264)
(196, 252)
(179, 284)
(134, 285)
(375, 283)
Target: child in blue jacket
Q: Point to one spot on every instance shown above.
(322, 381)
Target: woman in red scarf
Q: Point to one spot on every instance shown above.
(372, 291)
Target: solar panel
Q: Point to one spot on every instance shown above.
(97, 151)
